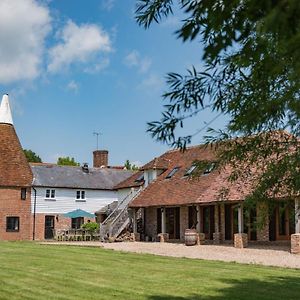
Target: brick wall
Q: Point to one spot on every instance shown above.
(150, 222)
(184, 221)
(11, 205)
(60, 223)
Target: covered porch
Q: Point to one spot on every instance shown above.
(219, 222)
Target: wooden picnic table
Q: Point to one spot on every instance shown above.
(76, 235)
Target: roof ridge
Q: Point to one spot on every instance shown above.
(187, 148)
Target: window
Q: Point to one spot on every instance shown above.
(172, 172)
(23, 193)
(202, 167)
(190, 170)
(209, 168)
(77, 222)
(12, 224)
(150, 176)
(80, 195)
(140, 178)
(50, 194)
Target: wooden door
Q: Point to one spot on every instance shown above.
(173, 222)
(228, 222)
(282, 221)
(49, 227)
(208, 215)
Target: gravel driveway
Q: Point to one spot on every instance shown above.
(255, 254)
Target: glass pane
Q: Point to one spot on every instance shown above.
(172, 172)
(23, 193)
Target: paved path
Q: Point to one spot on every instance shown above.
(255, 254)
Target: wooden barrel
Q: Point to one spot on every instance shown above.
(190, 237)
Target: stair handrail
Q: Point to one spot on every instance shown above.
(119, 204)
(126, 207)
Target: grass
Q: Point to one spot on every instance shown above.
(33, 271)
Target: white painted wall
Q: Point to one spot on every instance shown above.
(151, 175)
(122, 193)
(125, 196)
(65, 200)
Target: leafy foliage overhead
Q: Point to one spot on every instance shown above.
(251, 74)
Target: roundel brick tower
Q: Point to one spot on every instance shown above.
(15, 181)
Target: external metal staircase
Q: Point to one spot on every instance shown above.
(119, 219)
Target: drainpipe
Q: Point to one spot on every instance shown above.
(34, 213)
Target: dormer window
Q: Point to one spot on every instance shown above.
(201, 168)
(190, 170)
(171, 174)
(209, 168)
(150, 176)
(140, 178)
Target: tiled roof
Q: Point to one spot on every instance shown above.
(157, 163)
(14, 168)
(183, 190)
(131, 181)
(50, 175)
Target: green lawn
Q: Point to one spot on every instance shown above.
(32, 271)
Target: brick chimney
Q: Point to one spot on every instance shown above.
(100, 158)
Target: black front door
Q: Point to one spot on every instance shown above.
(173, 222)
(228, 222)
(49, 227)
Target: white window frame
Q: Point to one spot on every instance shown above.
(80, 195)
(50, 194)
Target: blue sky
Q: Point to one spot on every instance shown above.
(75, 67)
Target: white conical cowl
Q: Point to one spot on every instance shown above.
(5, 112)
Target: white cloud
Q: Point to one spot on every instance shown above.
(134, 59)
(107, 4)
(73, 86)
(152, 82)
(98, 67)
(24, 26)
(79, 44)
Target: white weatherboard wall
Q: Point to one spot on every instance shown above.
(126, 195)
(65, 200)
(123, 193)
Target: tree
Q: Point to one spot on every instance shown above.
(129, 166)
(67, 161)
(251, 74)
(31, 156)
